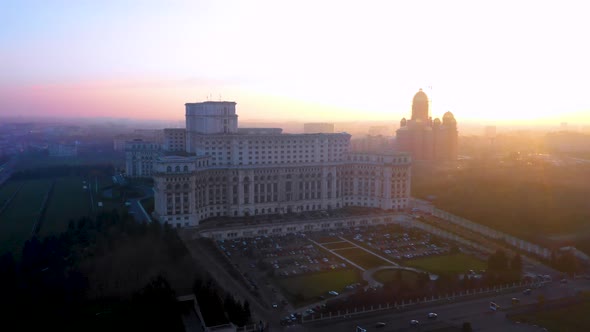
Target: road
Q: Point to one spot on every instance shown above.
(225, 280)
(135, 209)
(475, 311)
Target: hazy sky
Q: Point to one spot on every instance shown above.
(490, 62)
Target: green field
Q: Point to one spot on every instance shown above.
(32, 160)
(328, 239)
(447, 264)
(387, 276)
(569, 319)
(531, 200)
(7, 190)
(304, 289)
(339, 245)
(16, 222)
(362, 258)
(69, 201)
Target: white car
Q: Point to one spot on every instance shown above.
(333, 293)
(432, 315)
(414, 322)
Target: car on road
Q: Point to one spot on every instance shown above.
(432, 315)
(335, 293)
(287, 321)
(380, 324)
(515, 300)
(414, 322)
(527, 291)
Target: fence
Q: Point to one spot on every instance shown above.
(410, 303)
(489, 232)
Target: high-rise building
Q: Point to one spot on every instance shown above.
(424, 138)
(318, 127)
(230, 171)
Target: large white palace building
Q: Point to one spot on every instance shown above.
(213, 169)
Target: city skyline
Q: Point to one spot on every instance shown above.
(493, 64)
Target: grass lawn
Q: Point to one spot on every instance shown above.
(569, 319)
(69, 201)
(328, 239)
(387, 276)
(307, 288)
(338, 245)
(7, 190)
(16, 222)
(40, 160)
(362, 258)
(447, 264)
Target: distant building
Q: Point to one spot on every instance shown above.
(175, 139)
(63, 150)
(424, 138)
(375, 144)
(140, 156)
(120, 141)
(151, 135)
(563, 126)
(318, 127)
(154, 135)
(380, 131)
(490, 132)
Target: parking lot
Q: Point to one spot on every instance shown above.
(299, 271)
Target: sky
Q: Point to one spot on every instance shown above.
(489, 62)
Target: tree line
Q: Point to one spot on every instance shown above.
(63, 170)
(107, 273)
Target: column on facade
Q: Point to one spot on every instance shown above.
(387, 182)
(324, 187)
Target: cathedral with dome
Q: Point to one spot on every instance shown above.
(425, 138)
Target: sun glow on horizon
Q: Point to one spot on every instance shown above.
(330, 61)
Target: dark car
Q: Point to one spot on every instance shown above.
(432, 315)
(380, 324)
(414, 322)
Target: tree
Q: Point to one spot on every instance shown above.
(154, 307)
(466, 327)
(567, 263)
(541, 300)
(498, 261)
(516, 264)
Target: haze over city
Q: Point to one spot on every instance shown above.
(254, 166)
(495, 63)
